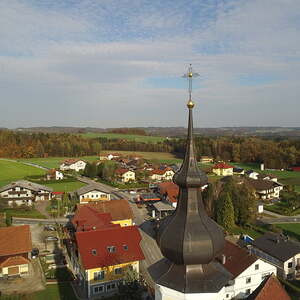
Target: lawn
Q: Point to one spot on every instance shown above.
(161, 156)
(291, 229)
(68, 186)
(22, 213)
(54, 162)
(130, 137)
(10, 171)
(253, 231)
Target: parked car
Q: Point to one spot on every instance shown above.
(35, 252)
(51, 238)
(49, 228)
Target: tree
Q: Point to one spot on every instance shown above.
(225, 211)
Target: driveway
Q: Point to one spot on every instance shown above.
(25, 285)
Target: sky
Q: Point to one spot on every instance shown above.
(118, 63)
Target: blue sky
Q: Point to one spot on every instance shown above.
(112, 63)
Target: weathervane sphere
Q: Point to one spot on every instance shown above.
(190, 104)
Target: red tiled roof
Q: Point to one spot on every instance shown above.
(57, 193)
(270, 288)
(14, 261)
(122, 171)
(171, 189)
(15, 240)
(237, 258)
(118, 209)
(71, 161)
(100, 239)
(161, 171)
(222, 166)
(87, 218)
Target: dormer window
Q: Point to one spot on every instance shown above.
(125, 247)
(111, 249)
(94, 251)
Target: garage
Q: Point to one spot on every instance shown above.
(13, 271)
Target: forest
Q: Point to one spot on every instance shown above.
(275, 153)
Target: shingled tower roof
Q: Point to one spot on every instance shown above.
(189, 239)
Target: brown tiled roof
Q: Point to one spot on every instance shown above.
(270, 288)
(122, 171)
(71, 161)
(119, 209)
(260, 184)
(171, 189)
(15, 240)
(161, 171)
(222, 166)
(237, 259)
(14, 261)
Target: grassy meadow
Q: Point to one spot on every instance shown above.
(54, 162)
(10, 171)
(68, 186)
(130, 137)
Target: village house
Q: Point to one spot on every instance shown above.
(206, 159)
(252, 174)
(92, 192)
(270, 288)
(247, 271)
(25, 192)
(54, 174)
(265, 189)
(73, 164)
(100, 253)
(110, 156)
(222, 169)
(163, 174)
(125, 175)
(15, 248)
(280, 251)
(169, 192)
(119, 210)
(238, 171)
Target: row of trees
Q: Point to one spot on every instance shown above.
(27, 145)
(230, 203)
(274, 153)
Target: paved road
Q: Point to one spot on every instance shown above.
(281, 220)
(29, 221)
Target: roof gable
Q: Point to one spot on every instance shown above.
(15, 240)
(125, 240)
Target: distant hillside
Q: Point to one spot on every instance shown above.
(181, 131)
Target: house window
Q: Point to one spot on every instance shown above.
(248, 280)
(257, 267)
(94, 251)
(248, 291)
(118, 271)
(111, 286)
(99, 275)
(125, 247)
(98, 289)
(227, 295)
(290, 264)
(111, 249)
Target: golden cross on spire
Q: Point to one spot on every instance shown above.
(189, 75)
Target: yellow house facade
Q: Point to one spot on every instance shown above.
(105, 280)
(222, 169)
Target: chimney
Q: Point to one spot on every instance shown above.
(223, 259)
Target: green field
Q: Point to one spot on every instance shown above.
(20, 213)
(61, 291)
(10, 171)
(130, 137)
(54, 162)
(69, 186)
(292, 229)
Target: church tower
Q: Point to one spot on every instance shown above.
(189, 239)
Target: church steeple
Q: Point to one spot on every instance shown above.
(189, 239)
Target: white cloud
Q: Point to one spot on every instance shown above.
(58, 62)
